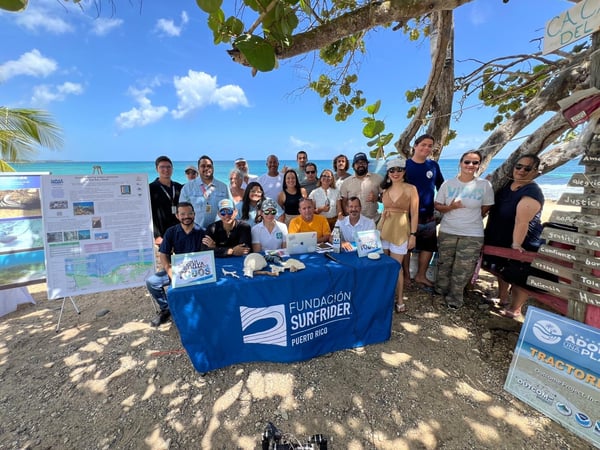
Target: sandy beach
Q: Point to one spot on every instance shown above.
(109, 380)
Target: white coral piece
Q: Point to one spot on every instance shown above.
(252, 263)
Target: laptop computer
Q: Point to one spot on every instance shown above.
(301, 242)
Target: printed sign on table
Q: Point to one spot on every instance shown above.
(556, 370)
(368, 242)
(193, 268)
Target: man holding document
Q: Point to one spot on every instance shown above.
(186, 237)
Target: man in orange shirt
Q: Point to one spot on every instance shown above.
(309, 221)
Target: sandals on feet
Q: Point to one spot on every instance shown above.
(399, 308)
(510, 314)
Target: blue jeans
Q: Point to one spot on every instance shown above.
(155, 284)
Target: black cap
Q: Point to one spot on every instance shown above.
(360, 157)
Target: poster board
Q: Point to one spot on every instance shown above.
(21, 230)
(555, 369)
(368, 241)
(193, 268)
(97, 233)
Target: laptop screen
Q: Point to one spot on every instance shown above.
(301, 242)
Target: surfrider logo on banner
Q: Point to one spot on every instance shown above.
(308, 319)
(276, 335)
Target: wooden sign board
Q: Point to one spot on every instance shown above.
(584, 180)
(590, 281)
(583, 200)
(564, 291)
(572, 238)
(590, 160)
(553, 268)
(575, 219)
(570, 255)
(570, 26)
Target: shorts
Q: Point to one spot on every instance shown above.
(401, 249)
(427, 236)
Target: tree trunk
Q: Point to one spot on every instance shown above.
(371, 15)
(442, 40)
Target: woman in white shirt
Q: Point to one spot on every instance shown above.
(327, 199)
(463, 201)
(269, 234)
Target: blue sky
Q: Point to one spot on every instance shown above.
(146, 80)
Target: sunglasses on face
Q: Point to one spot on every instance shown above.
(269, 212)
(523, 167)
(396, 169)
(226, 212)
(311, 171)
(471, 163)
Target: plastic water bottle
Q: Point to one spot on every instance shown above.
(336, 239)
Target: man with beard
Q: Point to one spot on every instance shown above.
(205, 192)
(186, 237)
(364, 185)
(353, 223)
(242, 165)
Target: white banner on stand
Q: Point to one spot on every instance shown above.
(98, 233)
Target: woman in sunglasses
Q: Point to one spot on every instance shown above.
(515, 222)
(399, 220)
(270, 233)
(463, 201)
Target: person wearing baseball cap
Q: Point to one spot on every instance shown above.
(242, 165)
(191, 173)
(364, 185)
(269, 234)
(228, 236)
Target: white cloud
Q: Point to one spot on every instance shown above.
(143, 115)
(296, 142)
(102, 27)
(32, 63)
(39, 19)
(168, 27)
(198, 89)
(44, 94)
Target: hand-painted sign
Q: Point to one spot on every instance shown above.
(564, 291)
(570, 26)
(584, 180)
(575, 219)
(570, 256)
(569, 237)
(582, 200)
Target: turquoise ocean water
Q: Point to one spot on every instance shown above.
(553, 184)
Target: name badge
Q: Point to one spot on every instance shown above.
(174, 209)
(208, 209)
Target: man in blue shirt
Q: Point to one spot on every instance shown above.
(426, 176)
(186, 237)
(205, 192)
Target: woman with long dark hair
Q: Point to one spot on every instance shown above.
(249, 207)
(290, 195)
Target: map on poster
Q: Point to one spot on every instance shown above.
(97, 233)
(21, 235)
(556, 370)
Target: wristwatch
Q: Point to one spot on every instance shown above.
(413, 234)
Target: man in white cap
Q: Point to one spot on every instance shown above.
(364, 185)
(191, 173)
(228, 236)
(242, 165)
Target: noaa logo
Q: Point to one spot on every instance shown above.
(266, 325)
(547, 332)
(429, 174)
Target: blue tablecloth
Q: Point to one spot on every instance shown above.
(326, 307)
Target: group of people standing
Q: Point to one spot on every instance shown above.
(255, 213)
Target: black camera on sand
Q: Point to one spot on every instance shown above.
(273, 439)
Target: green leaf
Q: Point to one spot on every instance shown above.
(374, 108)
(209, 6)
(372, 129)
(257, 51)
(386, 139)
(13, 5)
(234, 26)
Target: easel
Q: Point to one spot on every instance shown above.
(62, 308)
